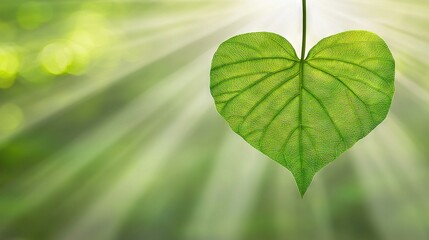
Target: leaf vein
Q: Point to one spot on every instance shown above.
(250, 60)
(255, 83)
(327, 113)
(234, 78)
(312, 141)
(275, 116)
(286, 50)
(345, 85)
(244, 45)
(354, 64)
(275, 88)
(342, 44)
(283, 149)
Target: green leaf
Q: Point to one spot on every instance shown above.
(303, 114)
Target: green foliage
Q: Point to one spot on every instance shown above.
(303, 113)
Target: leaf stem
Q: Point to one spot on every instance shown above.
(304, 28)
(302, 185)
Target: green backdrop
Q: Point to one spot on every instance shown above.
(108, 129)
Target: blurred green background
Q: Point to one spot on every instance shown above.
(108, 130)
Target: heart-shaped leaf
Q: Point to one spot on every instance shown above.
(303, 113)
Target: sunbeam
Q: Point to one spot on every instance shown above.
(108, 130)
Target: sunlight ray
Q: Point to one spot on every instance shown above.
(128, 118)
(123, 141)
(238, 203)
(132, 183)
(46, 107)
(226, 190)
(385, 191)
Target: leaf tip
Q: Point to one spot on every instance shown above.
(303, 181)
(303, 189)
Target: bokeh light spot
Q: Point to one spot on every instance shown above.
(56, 58)
(81, 59)
(83, 38)
(9, 66)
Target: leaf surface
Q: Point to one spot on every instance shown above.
(303, 114)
